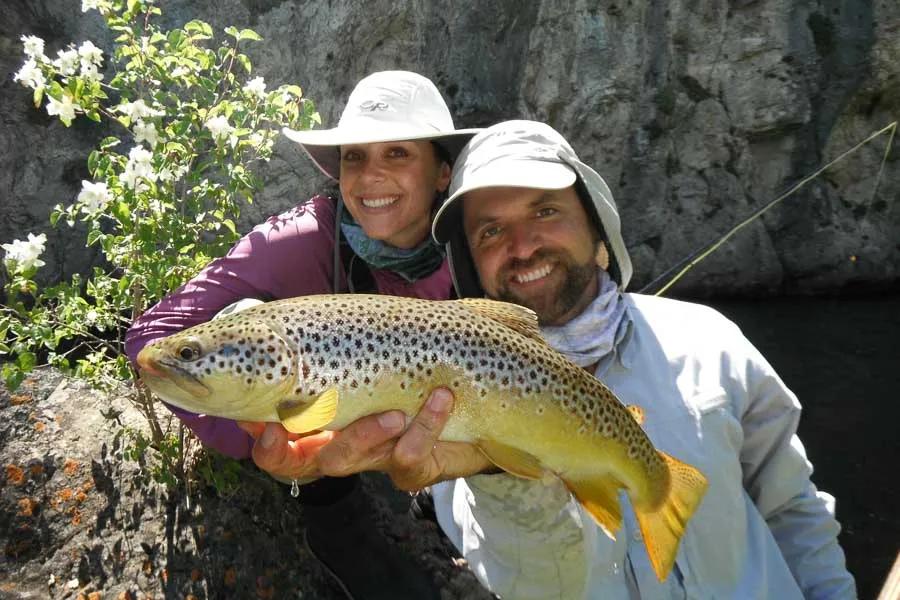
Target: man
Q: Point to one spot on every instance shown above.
(527, 222)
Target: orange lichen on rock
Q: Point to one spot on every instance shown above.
(27, 507)
(70, 467)
(19, 399)
(15, 475)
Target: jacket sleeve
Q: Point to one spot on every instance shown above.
(288, 255)
(523, 539)
(777, 478)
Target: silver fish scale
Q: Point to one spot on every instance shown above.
(353, 339)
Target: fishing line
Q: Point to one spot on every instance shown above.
(688, 263)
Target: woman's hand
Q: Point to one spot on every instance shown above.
(283, 455)
(411, 455)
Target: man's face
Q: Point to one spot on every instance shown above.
(533, 247)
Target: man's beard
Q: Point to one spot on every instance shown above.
(552, 305)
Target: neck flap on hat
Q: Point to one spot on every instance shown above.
(595, 332)
(411, 264)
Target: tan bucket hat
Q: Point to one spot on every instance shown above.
(385, 106)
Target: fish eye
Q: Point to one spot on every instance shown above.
(190, 351)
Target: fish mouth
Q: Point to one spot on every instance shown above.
(152, 368)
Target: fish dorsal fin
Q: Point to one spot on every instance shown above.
(305, 417)
(521, 319)
(637, 412)
(511, 460)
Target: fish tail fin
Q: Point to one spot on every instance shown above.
(663, 526)
(600, 497)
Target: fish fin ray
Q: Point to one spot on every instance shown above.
(600, 497)
(512, 460)
(308, 417)
(637, 412)
(662, 528)
(521, 319)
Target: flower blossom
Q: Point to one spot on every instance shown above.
(93, 196)
(219, 128)
(65, 108)
(34, 46)
(256, 86)
(139, 166)
(30, 75)
(68, 62)
(146, 132)
(138, 110)
(90, 54)
(24, 255)
(87, 5)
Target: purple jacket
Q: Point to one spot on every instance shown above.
(289, 255)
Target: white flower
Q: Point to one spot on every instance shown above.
(219, 128)
(30, 75)
(90, 71)
(91, 316)
(25, 254)
(138, 110)
(90, 54)
(67, 63)
(34, 46)
(256, 86)
(139, 166)
(172, 174)
(146, 132)
(94, 196)
(87, 5)
(65, 108)
(180, 71)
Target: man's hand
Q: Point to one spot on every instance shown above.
(411, 455)
(284, 455)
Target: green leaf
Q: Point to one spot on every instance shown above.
(26, 361)
(249, 34)
(233, 32)
(186, 249)
(12, 376)
(199, 27)
(38, 96)
(93, 157)
(230, 225)
(93, 235)
(245, 62)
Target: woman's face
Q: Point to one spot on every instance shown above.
(389, 188)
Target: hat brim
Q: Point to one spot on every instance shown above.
(323, 145)
(541, 175)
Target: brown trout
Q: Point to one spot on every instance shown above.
(321, 362)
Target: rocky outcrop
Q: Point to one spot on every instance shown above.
(80, 520)
(697, 114)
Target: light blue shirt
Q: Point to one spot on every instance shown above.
(711, 400)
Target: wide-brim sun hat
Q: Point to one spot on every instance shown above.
(383, 107)
(523, 154)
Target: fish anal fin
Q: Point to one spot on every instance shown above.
(511, 460)
(521, 319)
(305, 417)
(637, 412)
(663, 527)
(600, 497)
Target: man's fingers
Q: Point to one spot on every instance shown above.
(278, 454)
(416, 444)
(363, 445)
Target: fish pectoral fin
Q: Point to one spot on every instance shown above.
(524, 320)
(306, 417)
(637, 412)
(600, 497)
(663, 526)
(512, 460)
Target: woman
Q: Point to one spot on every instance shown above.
(391, 154)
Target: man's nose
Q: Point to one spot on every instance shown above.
(523, 241)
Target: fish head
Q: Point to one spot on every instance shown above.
(238, 367)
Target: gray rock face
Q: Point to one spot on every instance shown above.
(696, 113)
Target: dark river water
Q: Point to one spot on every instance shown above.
(841, 356)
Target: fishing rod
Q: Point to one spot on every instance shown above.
(689, 262)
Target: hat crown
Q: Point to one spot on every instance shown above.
(399, 97)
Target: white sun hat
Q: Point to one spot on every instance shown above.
(524, 154)
(383, 107)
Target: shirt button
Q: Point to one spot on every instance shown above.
(636, 536)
